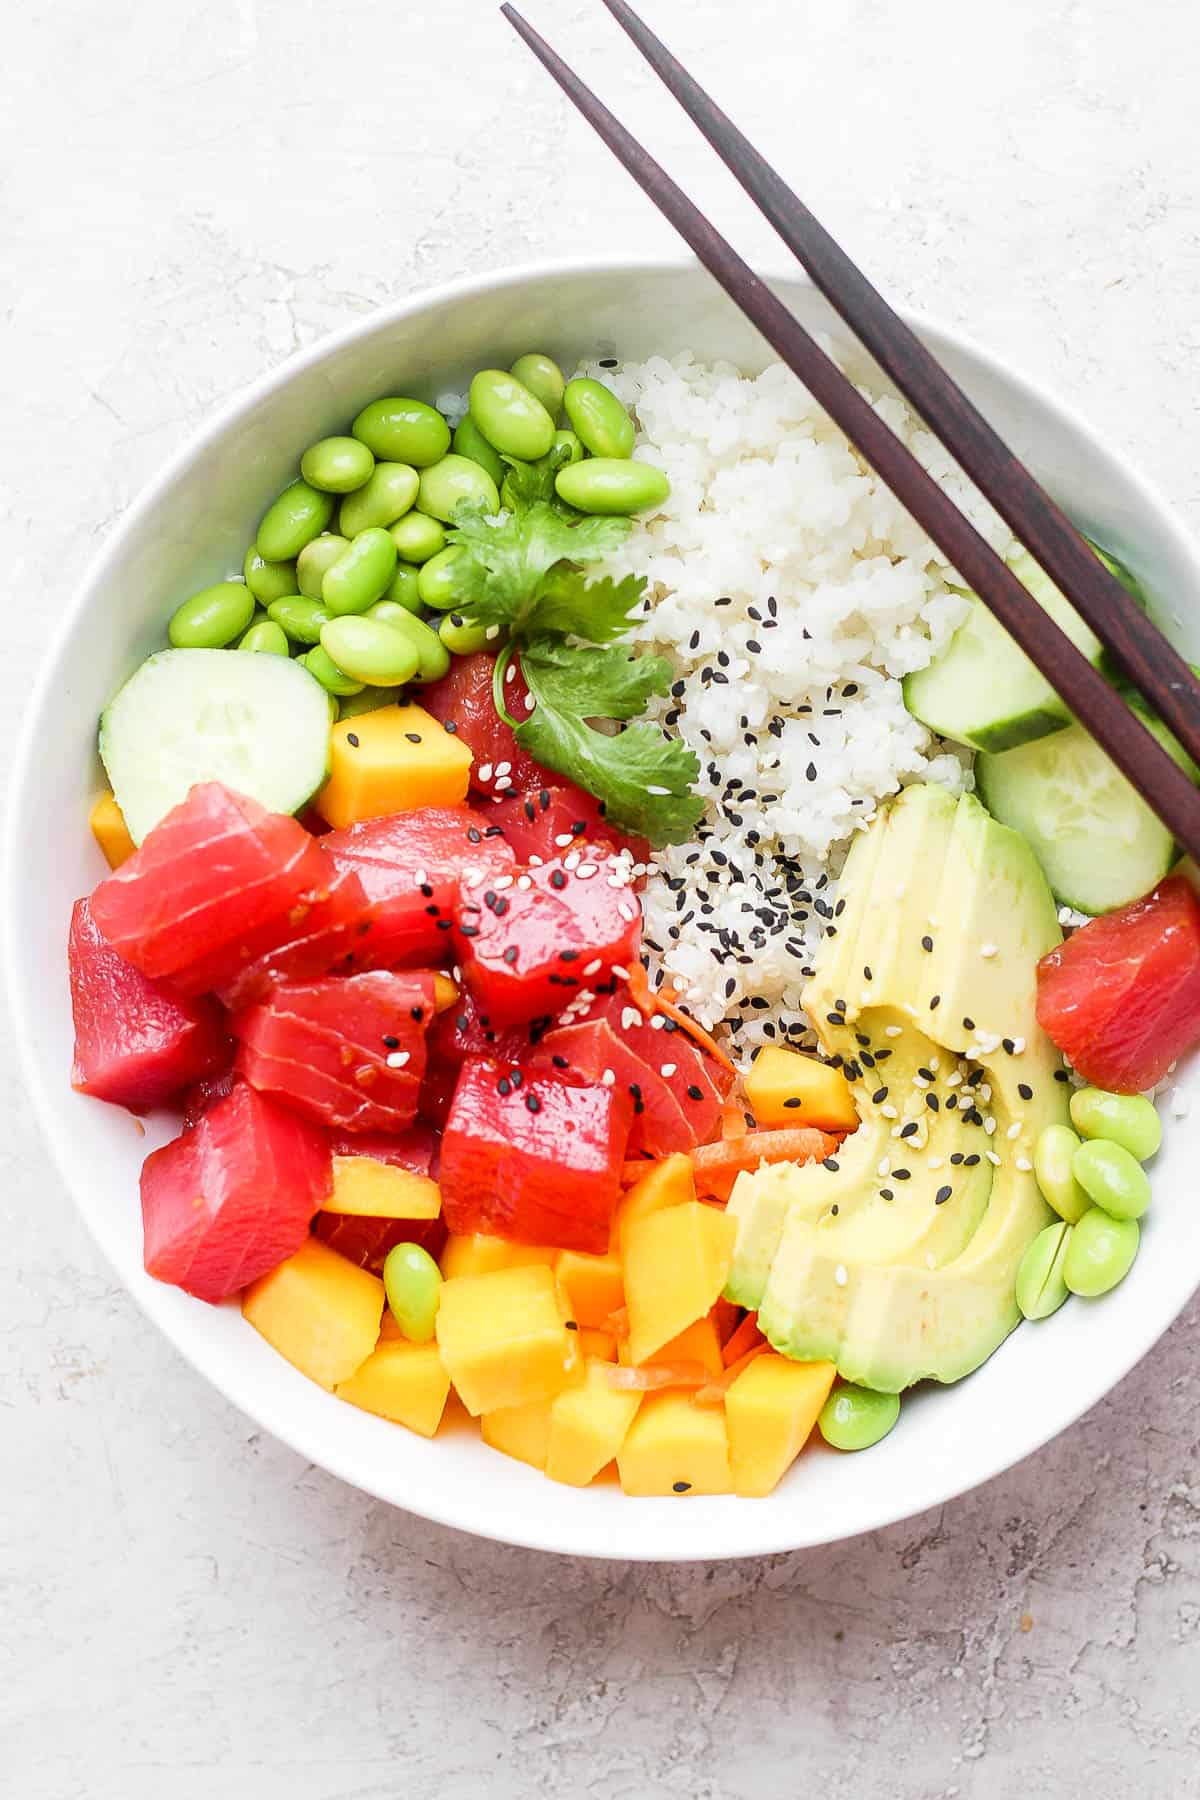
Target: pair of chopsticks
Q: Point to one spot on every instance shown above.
(1147, 658)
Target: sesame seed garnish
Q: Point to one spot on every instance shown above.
(942, 1195)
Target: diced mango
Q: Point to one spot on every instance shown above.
(670, 1182)
(503, 1337)
(675, 1447)
(769, 1412)
(391, 760)
(389, 1330)
(369, 1189)
(676, 1263)
(522, 1432)
(593, 1284)
(319, 1311)
(600, 1345)
(785, 1087)
(110, 830)
(696, 1343)
(401, 1381)
(480, 1254)
(588, 1423)
(445, 992)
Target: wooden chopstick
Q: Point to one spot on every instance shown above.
(1148, 658)
(1136, 753)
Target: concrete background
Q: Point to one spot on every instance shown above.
(190, 192)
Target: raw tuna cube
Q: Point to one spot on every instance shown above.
(547, 822)
(462, 1031)
(319, 932)
(366, 1242)
(526, 950)
(197, 1099)
(135, 1043)
(591, 1053)
(415, 1149)
(349, 1052)
(233, 1197)
(531, 1159)
(462, 701)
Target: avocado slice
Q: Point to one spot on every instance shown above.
(928, 989)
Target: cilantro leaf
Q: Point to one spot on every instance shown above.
(613, 683)
(528, 482)
(509, 574)
(597, 610)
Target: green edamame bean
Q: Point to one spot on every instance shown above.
(267, 637)
(301, 619)
(569, 441)
(316, 559)
(1112, 1178)
(433, 659)
(1052, 1157)
(1100, 1253)
(1040, 1288)
(300, 514)
(405, 589)
(406, 431)
(213, 617)
(268, 581)
(462, 638)
(413, 1283)
(453, 482)
(1126, 1119)
(854, 1418)
(322, 668)
(511, 418)
(361, 574)
(369, 651)
(544, 379)
(417, 537)
(389, 494)
(608, 484)
(337, 465)
(599, 418)
(435, 580)
(470, 442)
(370, 700)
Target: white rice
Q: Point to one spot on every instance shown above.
(791, 592)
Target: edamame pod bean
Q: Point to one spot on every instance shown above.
(370, 700)
(599, 418)
(454, 482)
(370, 652)
(322, 668)
(213, 617)
(1100, 1253)
(470, 442)
(462, 638)
(569, 441)
(854, 1418)
(389, 494)
(315, 559)
(405, 431)
(266, 636)
(608, 484)
(413, 1283)
(337, 465)
(435, 581)
(417, 537)
(433, 659)
(1052, 1157)
(1126, 1119)
(300, 514)
(509, 416)
(268, 581)
(361, 574)
(1041, 1289)
(301, 619)
(544, 379)
(1112, 1178)
(405, 588)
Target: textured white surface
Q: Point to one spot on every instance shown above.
(191, 192)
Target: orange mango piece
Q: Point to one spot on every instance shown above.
(601, 1346)
(670, 1182)
(110, 830)
(676, 1263)
(391, 760)
(367, 1188)
(404, 1382)
(674, 1447)
(785, 1087)
(481, 1254)
(319, 1311)
(696, 1343)
(770, 1410)
(503, 1337)
(593, 1284)
(588, 1423)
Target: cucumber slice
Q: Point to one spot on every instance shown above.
(260, 724)
(1096, 839)
(982, 690)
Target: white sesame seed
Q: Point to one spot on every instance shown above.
(989, 1125)
(530, 703)
(503, 781)
(571, 860)
(892, 1030)
(630, 1018)
(992, 1157)
(652, 789)
(658, 1023)
(889, 1112)
(1024, 1164)
(485, 772)
(523, 881)
(608, 1078)
(397, 1059)
(919, 1081)
(668, 1069)
(504, 768)
(625, 911)
(936, 1162)
(624, 975)
(840, 1275)
(987, 950)
(510, 674)
(503, 881)
(564, 839)
(535, 862)
(1014, 1130)
(594, 967)
(491, 633)
(585, 871)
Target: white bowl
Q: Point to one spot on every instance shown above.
(191, 527)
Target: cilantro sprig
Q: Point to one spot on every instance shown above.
(528, 573)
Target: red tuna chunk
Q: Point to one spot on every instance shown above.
(462, 701)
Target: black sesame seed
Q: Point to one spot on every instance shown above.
(680, 1487)
(568, 1324)
(352, 739)
(935, 1003)
(956, 1157)
(968, 1024)
(927, 942)
(474, 836)
(909, 1130)
(829, 1162)
(510, 955)
(901, 1174)
(504, 1087)
(558, 879)
(1025, 1091)
(414, 737)
(1061, 1075)
(694, 1092)
(970, 1162)
(879, 1096)
(886, 1194)
(1009, 1045)
(942, 1195)
(926, 1073)
(568, 956)
(532, 1103)
(417, 1013)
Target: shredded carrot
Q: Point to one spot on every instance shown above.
(649, 1003)
(744, 1338)
(649, 1377)
(715, 1389)
(733, 1122)
(617, 1323)
(717, 1166)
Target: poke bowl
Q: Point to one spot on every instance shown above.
(754, 473)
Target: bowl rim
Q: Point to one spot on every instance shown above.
(1088, 1390)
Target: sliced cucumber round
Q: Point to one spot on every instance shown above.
(1096, 839)
(260, 724)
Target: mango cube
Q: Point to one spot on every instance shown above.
(676, 1263)
(770, 1411)
(110, 830)
(503, 1337)
(319, 1311)
(587, 1426)
(601, 1345)
(668, 1183)
(404, 1382)
(481, 1254)
(593, 1284)
(391, 760)
(369, 1189)
(675, 1447)
(522, 1432)
(785, 1087)
(696, 1343)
